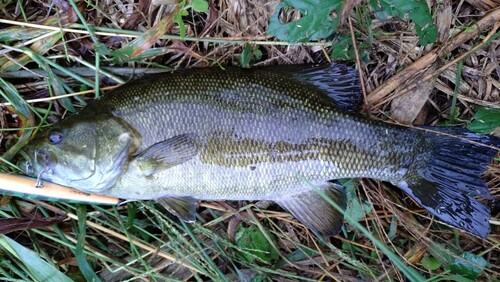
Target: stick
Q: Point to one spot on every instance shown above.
(487, 22)
(24, 186)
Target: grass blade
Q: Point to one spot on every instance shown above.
(83, 264)
(37, 268)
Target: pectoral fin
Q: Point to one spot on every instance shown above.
(166, 154)
(314, 211)
(184, 207)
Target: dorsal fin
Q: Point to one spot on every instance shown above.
(339, 81)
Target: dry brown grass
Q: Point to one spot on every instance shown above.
(229, 23)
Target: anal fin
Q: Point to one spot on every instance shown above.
(314, 211)
(182, 207)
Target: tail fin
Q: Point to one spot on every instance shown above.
(446, 179)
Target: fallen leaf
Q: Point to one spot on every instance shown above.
(138, 15)
(445, 16)
(143, 43)
(484, 5)
(347, 7)
(406, 107)
(8, 225)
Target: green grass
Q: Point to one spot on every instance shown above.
(140, 240)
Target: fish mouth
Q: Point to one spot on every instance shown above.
(26, 166)
(48, 165)
(41, 164)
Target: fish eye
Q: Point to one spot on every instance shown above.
(55, 137)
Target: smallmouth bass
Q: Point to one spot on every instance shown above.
(271, 133)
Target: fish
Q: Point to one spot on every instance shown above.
(276, 133)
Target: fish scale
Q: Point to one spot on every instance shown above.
(276, 133)
(253, 118)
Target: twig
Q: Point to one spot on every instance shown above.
(18, 185)
(441, 69)
(83, 71)
(489, 20)
(358, 62)
(134, 34)
(135, 242)
(62, 96)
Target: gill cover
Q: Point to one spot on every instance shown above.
(85, 152)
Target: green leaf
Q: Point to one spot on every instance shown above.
(4, 3)
(393, 228)
(24, 33)
(448, 278)
(83, 264)
(57, 86)
(249, 54)
(469, 265)
(342, 48)
(26, 117)
(39, 47)
(300, 254)
(485, 120)
(37, 268)
(12, 96)
(314, 24)
(132, 212)
(255, 245)
(178, 20)
(199, 5)
(415, 10)
(257, 53)
(142, 44)
(355, 208)
(246, 56)
(431, 263)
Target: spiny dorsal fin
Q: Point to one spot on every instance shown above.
(182, 207)
(314, 211)
(339, 81)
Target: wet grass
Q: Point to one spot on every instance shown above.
(59, 59)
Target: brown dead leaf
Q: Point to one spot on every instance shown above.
(415, 254)
(68, 261)
(143, 43)
(347, 7)
(496, 132)
(67, 14)
(212, 18)
(247, 18)
(8, 225)
(4, 200)
(400, 78)
(138, 16)
(182, 48)
(405, 108)
(484, 24)
(484, 5)
(444, 17)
